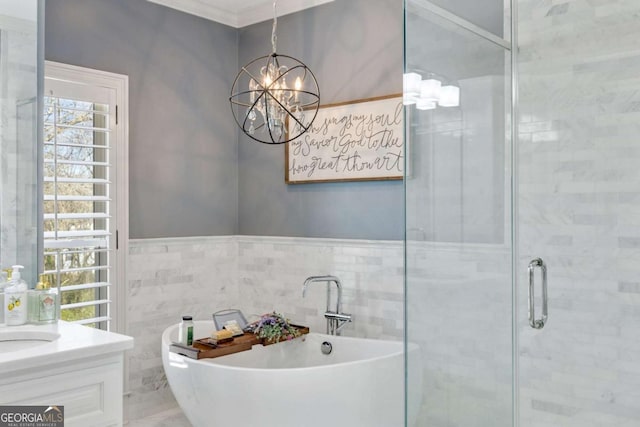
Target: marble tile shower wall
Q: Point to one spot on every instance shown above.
(459, 304)
(171, 277)
(580, 210)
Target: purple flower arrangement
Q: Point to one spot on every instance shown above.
(273, 327)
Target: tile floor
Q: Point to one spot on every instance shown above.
(170, 418)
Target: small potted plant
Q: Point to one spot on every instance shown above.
(273, 327)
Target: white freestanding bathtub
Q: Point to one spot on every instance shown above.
(292, 384)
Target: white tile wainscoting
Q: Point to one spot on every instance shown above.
(166, 279)
(198, 276)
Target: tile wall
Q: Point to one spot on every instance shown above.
(18, 123)
(579, 204)
(169, 278)
(198, 276)
(459, 306)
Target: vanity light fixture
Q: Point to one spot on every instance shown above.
(275, 98)
(429, 93)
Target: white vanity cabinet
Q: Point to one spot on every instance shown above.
(81, 370)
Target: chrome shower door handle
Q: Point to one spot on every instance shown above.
(533, 322)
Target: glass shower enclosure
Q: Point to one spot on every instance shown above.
(458, 222)
(534, 170)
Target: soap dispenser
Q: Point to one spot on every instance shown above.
(15, 299)
(43, 302)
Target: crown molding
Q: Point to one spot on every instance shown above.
(239, 14)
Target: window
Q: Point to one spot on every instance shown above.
(85, 192)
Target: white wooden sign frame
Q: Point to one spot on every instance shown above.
(360, 140)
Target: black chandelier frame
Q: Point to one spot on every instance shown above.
(262, 92)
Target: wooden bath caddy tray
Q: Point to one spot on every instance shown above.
(241, 343)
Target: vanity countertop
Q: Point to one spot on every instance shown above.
(74, 342)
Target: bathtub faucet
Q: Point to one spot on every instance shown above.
(335, 319)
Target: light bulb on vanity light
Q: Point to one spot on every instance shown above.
(425, 104)
(410, 88)
(449, 96)
(430, 90)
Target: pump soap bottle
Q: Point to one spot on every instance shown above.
(15, 299)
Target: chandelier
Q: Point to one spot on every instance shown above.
(274, 98)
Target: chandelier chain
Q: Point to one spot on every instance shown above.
(274, 38)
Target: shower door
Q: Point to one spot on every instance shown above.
(567, 192)
(458, 223)
(578, 205)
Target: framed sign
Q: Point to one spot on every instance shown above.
(355, 141)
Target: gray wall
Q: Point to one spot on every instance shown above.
(182, 142)
(186, 175)
(354, 47)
